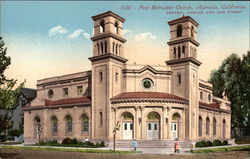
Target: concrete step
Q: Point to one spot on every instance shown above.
(150, 144)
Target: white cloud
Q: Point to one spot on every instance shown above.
(57, 30)
(126, 31)
(77, 33)
(144, 36)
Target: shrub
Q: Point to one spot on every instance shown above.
(217, 143)
(102, 144)
(3, 138)
(52, 142)
(74, 141)
(225, 142)
(200, 144)
(14, 132)
(209, 143)
(67, 140)
(89, 143)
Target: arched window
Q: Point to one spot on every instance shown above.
(153, 116)
(207, 126)
(116, 27)
(113, 47)
(106, 45)
(119, 49)
(102, 48)
(38, 127)
(179, 52)
(174, 53)
(209, 97)
(116, 49)
(179, 30)
(54, 124)
(116, 76)
(85, 123)
(192, 31)
(68, 123)
(224, 128)
(214, 126)
(102, 26)
(200, 126)
(183, 50)
(98, 49)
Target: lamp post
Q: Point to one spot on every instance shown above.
(116, 128)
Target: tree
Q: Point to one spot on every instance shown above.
(232, 80)
(8, 90)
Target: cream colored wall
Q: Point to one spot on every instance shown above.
(219, 128)
(60, 113)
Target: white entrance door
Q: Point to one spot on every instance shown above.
(174, 130)
(127, 130)
(153, 130)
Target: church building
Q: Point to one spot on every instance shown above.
(144, 102)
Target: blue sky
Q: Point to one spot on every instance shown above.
(52, 38)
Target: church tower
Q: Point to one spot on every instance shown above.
(107, 64)
(185, 66)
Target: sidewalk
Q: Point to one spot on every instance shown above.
(143, 150)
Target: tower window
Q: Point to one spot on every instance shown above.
(179, 30)
(201, 95)
(100, 76)
(116, 76)
(113, 47)
(116, 49)
(183, 50)
(174, 53)
(116, 27)
(102, 48)
(106, 45)
(100, 118)
(192, 31)
(102, 27)
(98, 49)
(179, 52)
(179, 79)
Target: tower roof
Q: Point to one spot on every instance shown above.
(183, 19)
(108, 13)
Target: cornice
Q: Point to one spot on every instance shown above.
(108, 13)
(184, 39)
(102, 36)
(183, 60)
(108, 56)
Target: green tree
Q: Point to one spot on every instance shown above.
(232, 80)
(8, 90)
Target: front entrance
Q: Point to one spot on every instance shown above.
(153, 130)
(174, 130)
(127, 130)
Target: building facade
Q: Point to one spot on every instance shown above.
(145, 102)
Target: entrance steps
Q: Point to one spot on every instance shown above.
(150, 144)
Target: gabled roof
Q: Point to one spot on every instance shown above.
(147, 68)
(29, 93)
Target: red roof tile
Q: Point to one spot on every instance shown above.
(67, 101)
(214, 105)
(134, 95)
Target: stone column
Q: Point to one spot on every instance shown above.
(164, 124)
(136, 123)
(143, 124)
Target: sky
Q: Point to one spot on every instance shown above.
(52, 38)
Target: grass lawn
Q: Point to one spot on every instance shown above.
(223, 149)
(242, 142)
(10, 143)
(67, 150)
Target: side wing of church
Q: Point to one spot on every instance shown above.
(148, 102)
